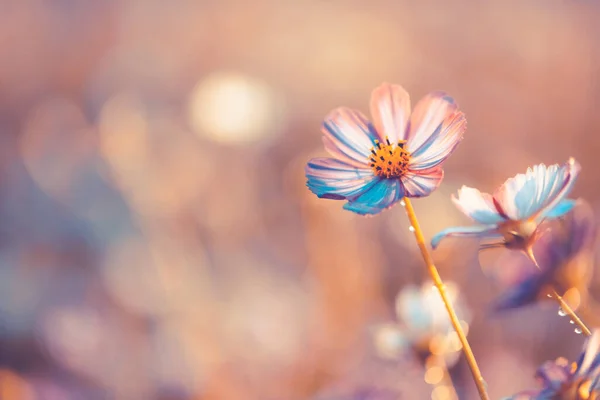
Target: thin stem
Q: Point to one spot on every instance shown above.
(561, 302)
(437, 280)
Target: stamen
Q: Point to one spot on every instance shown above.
(389, 160)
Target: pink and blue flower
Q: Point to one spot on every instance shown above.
(399, 154)
(515, 211)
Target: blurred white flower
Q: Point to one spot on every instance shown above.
(423, 324)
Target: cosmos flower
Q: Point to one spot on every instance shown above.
(423, 325)
(563, 381)
(563, 256)
(400, 154)
(517, 208)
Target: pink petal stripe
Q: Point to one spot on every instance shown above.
(441, 143)
(427, 118)
(390, 109)
(334, 179)
(350, 132)
(338, 154)
(422, 183)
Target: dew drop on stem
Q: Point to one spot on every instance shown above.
(561, 312)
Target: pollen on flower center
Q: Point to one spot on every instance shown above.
(389, 160)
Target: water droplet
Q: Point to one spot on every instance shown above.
(571, 322)
(402, 203)
(411, 228)
(578, 331)
(561, 312)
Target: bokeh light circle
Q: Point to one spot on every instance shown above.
(231, 108)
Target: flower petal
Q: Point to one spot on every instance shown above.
(338, 154)
(546, 394)
(554, 373)
(482, 231)
(422, 183)
(590, 354)
(427, 120)
(560, 209)
(528, 395)
(412, 310)
(595, 387)
(538, 191)
(383, 194)
(478, 206)
(333, 179)
(390, 339)
(350, 133)
(581, 229)
(522, 294)
(390, 109)
(441, 143)
(571, 170)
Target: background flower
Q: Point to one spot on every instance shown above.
(565, 258)
(562, 380)
(422, 327)
(517, 207)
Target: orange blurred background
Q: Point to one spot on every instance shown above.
(157, 240)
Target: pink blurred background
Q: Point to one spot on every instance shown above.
(157, 240)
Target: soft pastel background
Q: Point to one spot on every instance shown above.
(156, 237)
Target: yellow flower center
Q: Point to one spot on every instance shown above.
(389, 160)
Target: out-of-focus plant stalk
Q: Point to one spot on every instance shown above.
(439, 284)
